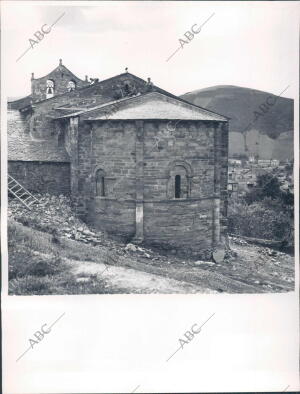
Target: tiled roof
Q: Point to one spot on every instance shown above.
(152, 105)
(64, 112)
(84, 90)
(19, 103)
(88, 97)
(21, 147)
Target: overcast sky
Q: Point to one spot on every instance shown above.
(249, 44)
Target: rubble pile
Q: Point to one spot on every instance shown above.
(53, 214)
(152, 255)
(140, 251)
(238, 241)
(262, 250)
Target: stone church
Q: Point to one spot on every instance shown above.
(136, 160)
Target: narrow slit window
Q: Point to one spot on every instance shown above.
(100, 184)
(61, 139)
(177, 186)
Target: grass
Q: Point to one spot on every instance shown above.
(37, 264)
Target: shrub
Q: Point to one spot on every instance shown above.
(23, 262)
(29, 285)
(266, 211)
(43, 267)
(258, 221)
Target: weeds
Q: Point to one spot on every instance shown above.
(37, 264)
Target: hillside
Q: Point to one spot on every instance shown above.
(269, 136)
(51, 251)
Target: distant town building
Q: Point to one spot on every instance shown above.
(268, 162)
(275, 163)
(240, 180)
(235, 162)
(233, 189)
(252, 159)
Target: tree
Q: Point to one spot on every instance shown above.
(267, 185)
(266, 211)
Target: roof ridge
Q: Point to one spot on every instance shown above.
(140, 95)
(61, 65)
(99, 106)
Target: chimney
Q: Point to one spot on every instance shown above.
(60, 62)
(32, 76)
(86, 78)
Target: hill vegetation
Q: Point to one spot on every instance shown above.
(269, 127)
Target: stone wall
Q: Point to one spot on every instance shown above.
(108, 147)
(23, 145)
(187, 222)
(179, 224)
(42, 177)
(113, 216)
(222, 148)
(136, 157)
(17, 122)
(190, 146)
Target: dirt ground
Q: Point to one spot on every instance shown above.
(129, 280)
(251, 269)
(137, 269)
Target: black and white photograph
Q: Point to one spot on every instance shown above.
(118, 185)
(149, 148)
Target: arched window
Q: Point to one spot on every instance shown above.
(177, 186)
(49, 88)
(179, 175)
(100, 183)
(71, 86)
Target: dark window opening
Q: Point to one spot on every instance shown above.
(100, 184)
(61, 139)
(127, 88)
(177, 186)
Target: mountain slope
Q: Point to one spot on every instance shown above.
(269, 127)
